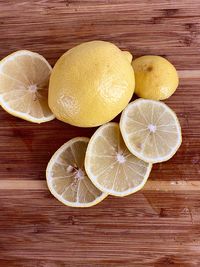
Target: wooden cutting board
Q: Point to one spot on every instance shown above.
(159, 226)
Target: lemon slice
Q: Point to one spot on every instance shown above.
(66, 177)
(24, 79)
(151, 130)
(110, 165)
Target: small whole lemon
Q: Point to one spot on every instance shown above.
(91, 84)
(155, 77)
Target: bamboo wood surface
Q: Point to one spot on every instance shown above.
(156, 227)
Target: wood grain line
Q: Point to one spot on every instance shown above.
(150, 185)
(189, 74)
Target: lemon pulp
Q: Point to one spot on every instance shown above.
(151, 130)
(24, 79)
(66, 176)
(111, 166)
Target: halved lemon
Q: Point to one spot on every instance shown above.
(66, 176)
(24, 80)
(110, 165)
(151, 130)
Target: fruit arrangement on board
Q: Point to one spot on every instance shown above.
(89, 86)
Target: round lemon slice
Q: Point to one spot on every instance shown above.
(151, 130)
(66, 176)
(110, 165)
(24, 80)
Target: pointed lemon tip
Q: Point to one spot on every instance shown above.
(128, 55)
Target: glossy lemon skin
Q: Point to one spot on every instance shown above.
(91, 84)
(155, 77)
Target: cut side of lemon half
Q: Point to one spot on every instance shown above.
(66, 176)
(151, 130)
(110, 165)
(24, 81)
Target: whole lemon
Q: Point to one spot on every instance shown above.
(91, 84)
(155, 77)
